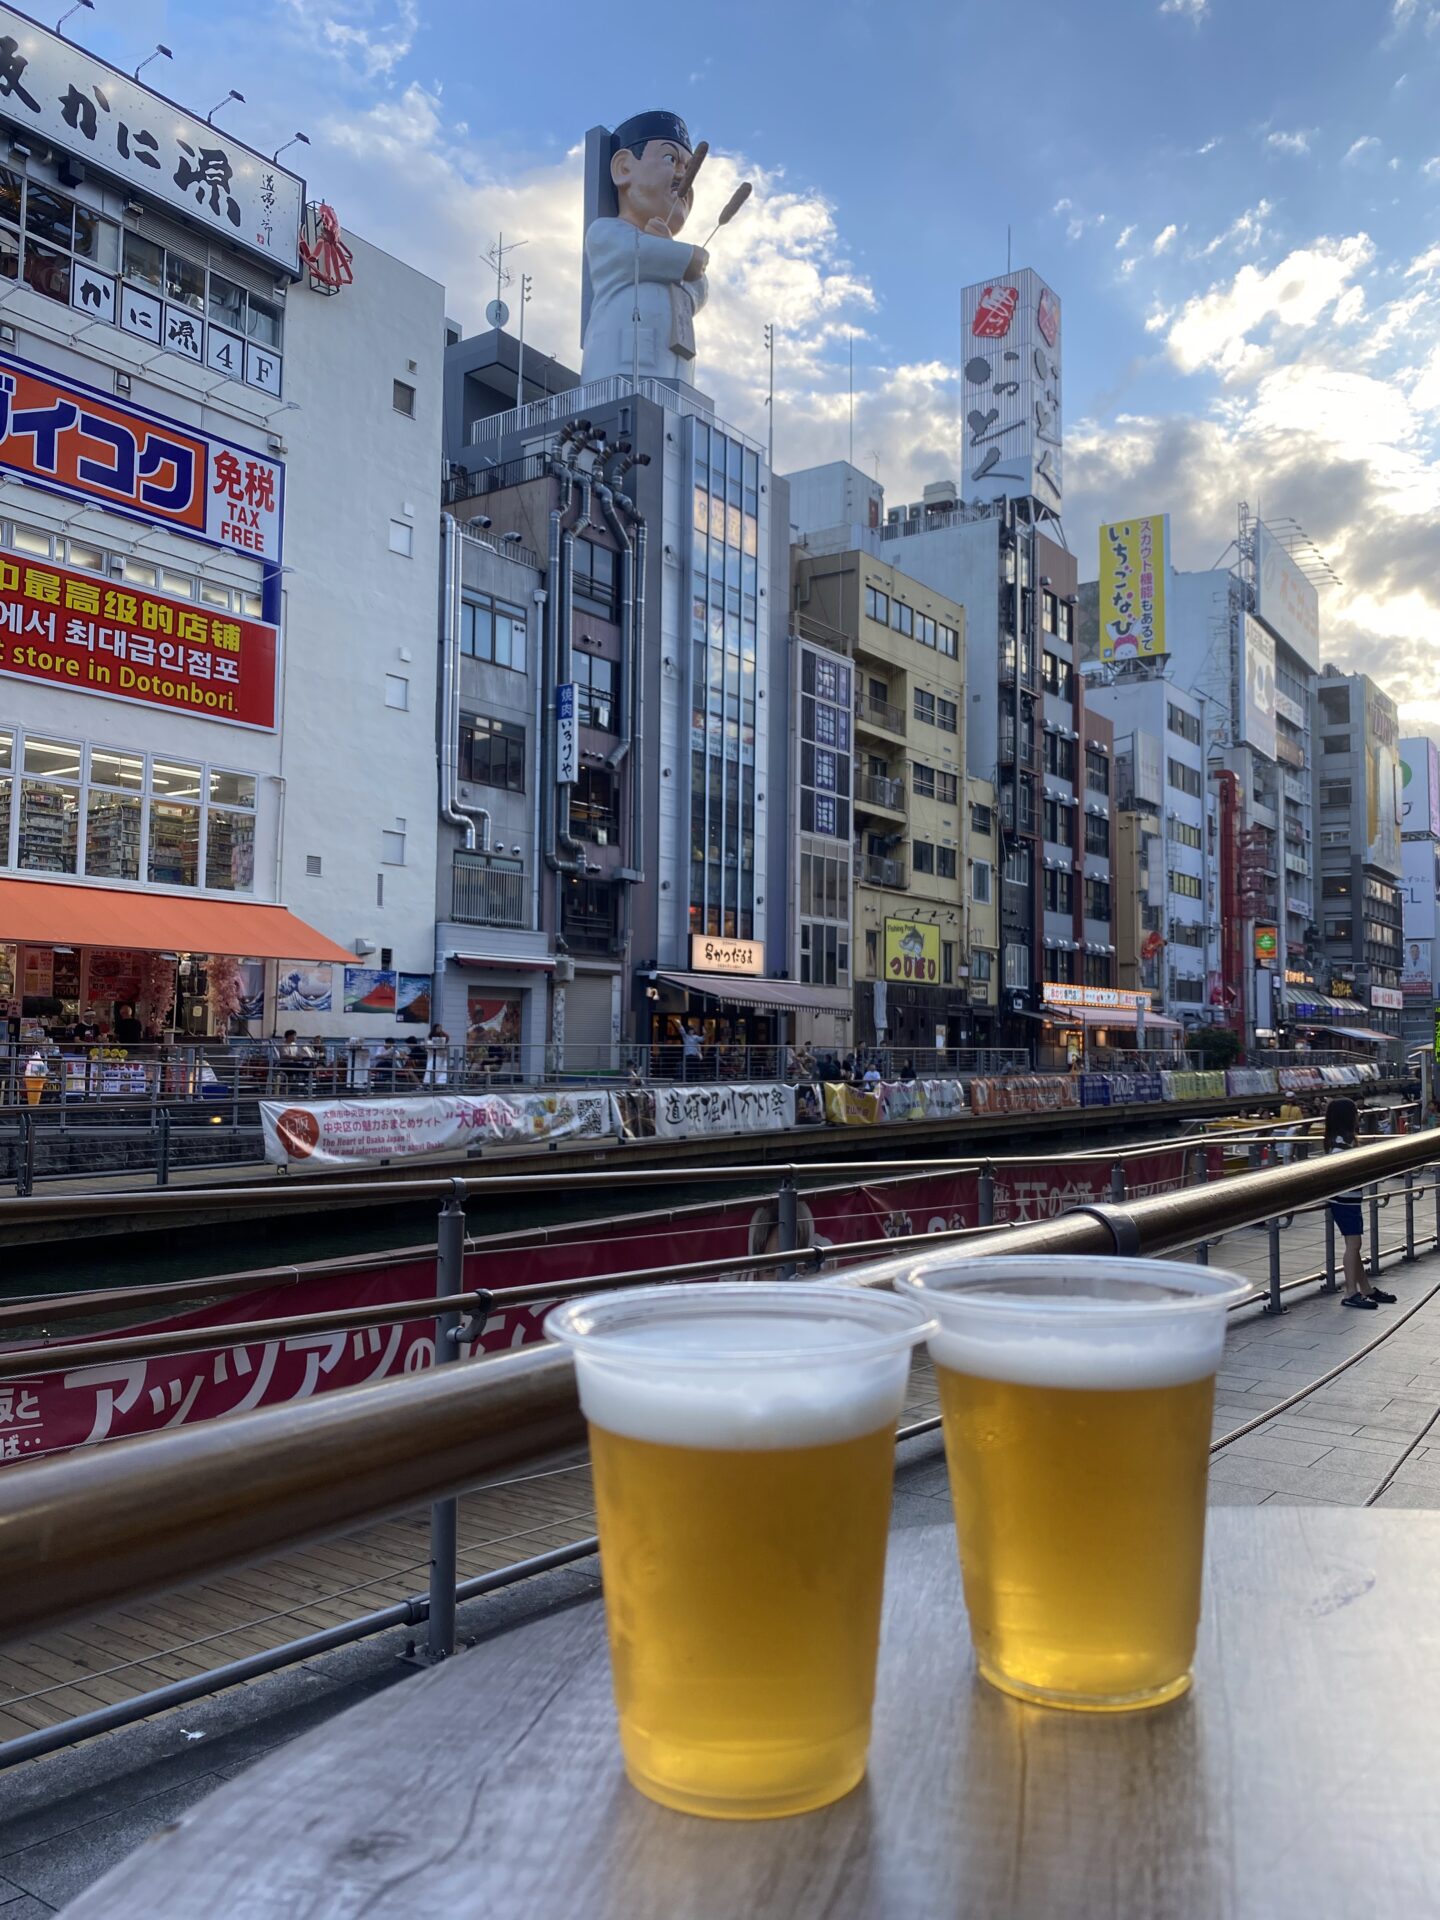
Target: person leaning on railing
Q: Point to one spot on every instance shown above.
(1342, 1131)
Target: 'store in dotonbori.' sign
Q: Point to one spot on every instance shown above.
(76, 104)
(72, 439)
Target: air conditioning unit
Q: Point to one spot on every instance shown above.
(564, 971)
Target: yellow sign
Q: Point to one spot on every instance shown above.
(710, 955)
(1134, 563)
(912, 951)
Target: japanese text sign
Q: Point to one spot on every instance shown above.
(1134, 569)
(52, 89)
(94, 636)
(1010, 357)
(1286, 601)
(912, 951)
(567, 737)
(71, 438)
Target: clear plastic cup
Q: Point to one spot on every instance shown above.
(743, 1445)
(1077, 1398)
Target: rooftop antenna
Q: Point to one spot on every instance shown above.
(497, 313)
(770, 397)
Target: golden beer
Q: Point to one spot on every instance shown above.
(743, 1441)
(1076, 1398)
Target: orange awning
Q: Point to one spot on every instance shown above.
(45, 914)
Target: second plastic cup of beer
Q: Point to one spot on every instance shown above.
(743, 1443)
(1077, 1396)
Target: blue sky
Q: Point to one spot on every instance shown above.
(1237, 202)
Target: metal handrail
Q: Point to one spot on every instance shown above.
(108, 1525)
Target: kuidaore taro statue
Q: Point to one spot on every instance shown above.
(644, 285)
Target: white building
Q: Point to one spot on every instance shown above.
(219, 494)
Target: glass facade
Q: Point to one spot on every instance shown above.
(724, 553)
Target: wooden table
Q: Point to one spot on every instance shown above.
(1300, 1777)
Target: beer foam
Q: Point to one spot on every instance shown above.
(666, 1384)
(1055, 1348)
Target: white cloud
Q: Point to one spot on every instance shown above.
(1195, 10)
(1209, 146)
(1357, 150)
(1126, 236)
(1127, 267)
(373, 36)
(1292, 143)
(1214, 329)
(1165, 239)
(1430, 169)
(1245, 232)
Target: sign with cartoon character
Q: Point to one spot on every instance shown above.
(912, 951)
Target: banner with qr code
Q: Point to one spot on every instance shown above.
(91, 635)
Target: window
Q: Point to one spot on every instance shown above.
(982, 965)
(1056, 824)
(1187, 725)
(492, 753)
(1097, 771)
(402, 398)
(1060, 756)
(392, 848)
(1017, 965)
(1097, 970)
(397, 692)
(1339, 929)
(902, 618)
(1056, 675)
(1059, 891)
(595, 806)
(925, 706)
(1097, 899)
(1017, 867)
(1047, 611)
(595, 690)
(595, 578)
(58, 236)
(980, 882)
(1187, 933)
(1097, 834)
(982, 820)
(1189, 885)
(1336, 887)
(1062, 961)
(922, 780)
(230, 831)
(1183, 778)
(922, 856)
(1186, 836)
(947, 787)
(945, 866)
(947, 716)
(402, 538)
(494, 630)
(1335, 793)
(877, 606)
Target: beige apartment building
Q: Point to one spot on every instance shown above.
(911, 825)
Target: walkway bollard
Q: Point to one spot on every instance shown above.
(787, 1220)
(1375, 1233)
(1275, 1303)
(162, 1155)
(1409, 1216)
(986, 1196)
(445, 1514)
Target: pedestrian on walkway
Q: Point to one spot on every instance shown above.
(691, 1052)
(1342, 1131)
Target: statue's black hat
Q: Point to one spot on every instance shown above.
(641, 127)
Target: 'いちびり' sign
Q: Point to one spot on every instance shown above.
(71, 630)
(72, 439)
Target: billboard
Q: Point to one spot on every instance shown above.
(1285, 599)
(1010, 359)
(1257, 688)
(72, 439)
(1134, 572)
(96, 636)
(1267, 945)
(912, 951)
(1382, 780)
(1419, 787)
(66, 99)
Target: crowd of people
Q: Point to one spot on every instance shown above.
(391, 1066)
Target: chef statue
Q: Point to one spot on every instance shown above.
(643, 285)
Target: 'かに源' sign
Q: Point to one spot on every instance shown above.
(95, 636)
(73, 439)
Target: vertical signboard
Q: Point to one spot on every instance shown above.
(1419, 787)
(1285, 599)
(1010, 360)
(567, 737)
(1257, 684)
(1134, 573)
(1382, 780)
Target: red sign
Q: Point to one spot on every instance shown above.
(73, 630)
(106, 1401)
(72, 438)
(1047, 316)
(995, 312)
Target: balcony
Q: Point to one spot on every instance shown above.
(879, 793)
(485, 895)
(878, 714)
(876, 871)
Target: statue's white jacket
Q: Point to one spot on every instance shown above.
(663, 341)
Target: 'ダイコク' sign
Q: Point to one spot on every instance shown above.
(72, 630)
(76, 440)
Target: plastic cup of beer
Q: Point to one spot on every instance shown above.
(742, 1439)
(1076, 1397)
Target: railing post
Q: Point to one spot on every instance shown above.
(1329, 1282)
(1374, 1233)
(162, 1155)
(25, 1160)
(445, 1514)
(986, 1194)
(1409, 1216)
(1275, 1303)
(1117, 1181)
(787, 1224)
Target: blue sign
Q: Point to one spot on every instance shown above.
(567, 736)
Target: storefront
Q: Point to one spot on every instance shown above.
(746, 1025)
(1083, 1024)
